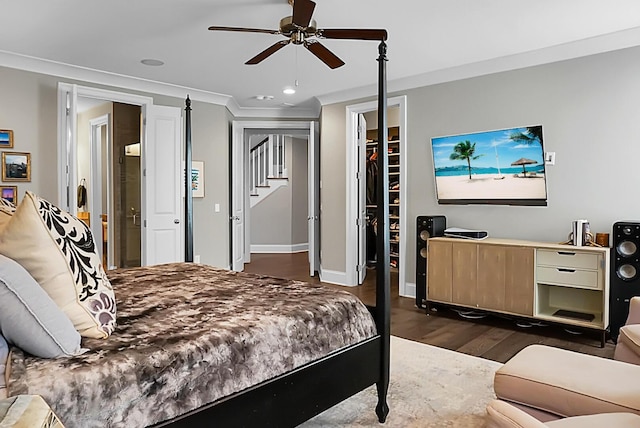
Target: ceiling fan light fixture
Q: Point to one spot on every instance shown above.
(288, 91)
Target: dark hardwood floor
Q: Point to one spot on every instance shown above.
(491, 337)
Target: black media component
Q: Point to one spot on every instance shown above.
(426, 227)
(624, 281)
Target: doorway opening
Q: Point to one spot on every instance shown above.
(108, 162)
(127, 154)
(246, 137)
(361, 204)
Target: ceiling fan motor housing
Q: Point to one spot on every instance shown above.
(288, 28)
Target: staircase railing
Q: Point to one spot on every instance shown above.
(267, 161)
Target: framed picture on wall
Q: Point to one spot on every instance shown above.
(197, 179)
(10, 193)
(6, 139)
(16, 166)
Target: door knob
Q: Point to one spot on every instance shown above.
(176, 221)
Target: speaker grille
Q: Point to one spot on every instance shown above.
(625, 272)
(424, 235)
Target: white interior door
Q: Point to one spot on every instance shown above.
(313, 218)
(361, 175)
(67, 147)
(97, 146)
(161, 189)
(237, 198)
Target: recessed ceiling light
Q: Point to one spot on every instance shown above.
(152, 62)
(264, 97)
(289, 91)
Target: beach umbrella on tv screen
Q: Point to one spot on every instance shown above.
(523, 162)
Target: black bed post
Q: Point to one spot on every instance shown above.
(188, 196)
(383, 288)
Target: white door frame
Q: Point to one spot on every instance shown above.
(96, 208)
(240, 168)
(352, 202)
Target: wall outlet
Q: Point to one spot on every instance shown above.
(550, 158)
(196, 258)
(216, 208)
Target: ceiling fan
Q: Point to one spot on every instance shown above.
(300, 29)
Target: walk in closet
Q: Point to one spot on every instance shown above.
(394, 190)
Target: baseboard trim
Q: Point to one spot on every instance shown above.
(333, 277)
(409, 290)
(280, 249)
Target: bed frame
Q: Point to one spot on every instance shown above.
(294, 397)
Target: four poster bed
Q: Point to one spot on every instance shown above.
(201, 346)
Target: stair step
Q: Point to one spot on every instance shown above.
(254, 194)
(277, 178)
(266, 186)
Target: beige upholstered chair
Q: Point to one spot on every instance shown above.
(501, 414)
(628, 346)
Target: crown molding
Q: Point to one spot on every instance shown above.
(84, 74)
(309, 113)
(581, 48)
(68, 71)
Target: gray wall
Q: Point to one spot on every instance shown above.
(299, 191)
(29, 107)
(281, 218)
(591, 118)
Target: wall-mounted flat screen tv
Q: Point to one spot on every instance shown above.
(502, 167)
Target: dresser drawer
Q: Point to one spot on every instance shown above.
(568, 276)
(568, 258)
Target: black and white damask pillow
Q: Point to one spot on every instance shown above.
(58, 250)
(7, 208)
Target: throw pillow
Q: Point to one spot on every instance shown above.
(29, 319)
(58, 250)
(6, 211)
(4, 355)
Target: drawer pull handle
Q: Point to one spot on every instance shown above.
(566, 270)
(566, 253)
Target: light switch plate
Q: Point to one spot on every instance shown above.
(550, 158)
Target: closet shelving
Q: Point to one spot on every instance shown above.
(394, 189)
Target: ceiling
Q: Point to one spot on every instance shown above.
(429, 41)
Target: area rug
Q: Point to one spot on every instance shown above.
(430, 388)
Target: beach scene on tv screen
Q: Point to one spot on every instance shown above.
(493, 165)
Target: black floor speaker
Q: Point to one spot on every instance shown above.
(426, 227)
(624, 282)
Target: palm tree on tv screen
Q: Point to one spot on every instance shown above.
(533, 133)
(465, 150)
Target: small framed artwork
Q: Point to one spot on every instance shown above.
(10, 193)
(16, 166)
(197, 179)
(6, 139)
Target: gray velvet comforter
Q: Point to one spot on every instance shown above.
(188, 335)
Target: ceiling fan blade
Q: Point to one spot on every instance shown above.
(324, 54)
(302, 12)
(353, 33)
(268, 52)
(244, 30)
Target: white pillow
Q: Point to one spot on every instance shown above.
(4, 354)
(59, 252)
